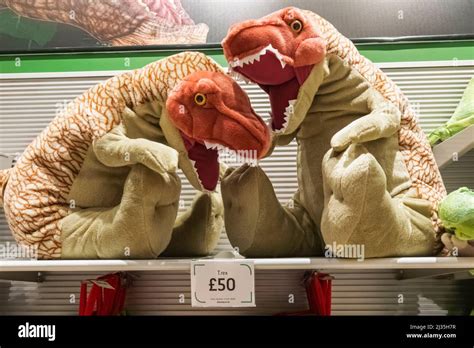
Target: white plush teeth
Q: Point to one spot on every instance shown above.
(214, 146)
(277, 54)
(278, 131)
(256, 57)
(197, 174)
(210, 145)
(289, 111)
(238, 76)
(221, 148)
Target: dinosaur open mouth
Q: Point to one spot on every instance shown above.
(279, 80)
(206, 157)
(205, 160)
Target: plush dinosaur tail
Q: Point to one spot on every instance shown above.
(4, 174)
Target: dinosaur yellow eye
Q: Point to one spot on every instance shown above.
(200, 99)
(296, 26)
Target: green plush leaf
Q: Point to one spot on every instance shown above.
(24, 28)
(456, 211)
(462, 118)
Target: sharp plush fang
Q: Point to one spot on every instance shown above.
(212, 146)
(193, 163)
(277, 54)
(289, 111)
(238, 76)
(250, 59)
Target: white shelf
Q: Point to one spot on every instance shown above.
(431, 263)
(460, 144)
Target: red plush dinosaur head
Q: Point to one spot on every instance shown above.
(277, 52)
(212, 113)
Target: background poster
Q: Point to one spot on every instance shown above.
(83, 25)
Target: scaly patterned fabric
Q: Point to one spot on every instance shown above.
(419, 159)
(36, 195)
(120, 23)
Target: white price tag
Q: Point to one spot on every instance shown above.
(222, 283)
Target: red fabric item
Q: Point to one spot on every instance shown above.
(319, 291)
(82, 296)
(106, 297)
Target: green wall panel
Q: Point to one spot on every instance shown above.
(66, 62)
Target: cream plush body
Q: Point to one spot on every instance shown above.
(101, 180)
(366, 174)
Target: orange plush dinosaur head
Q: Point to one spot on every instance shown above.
(278, 52)
(212, 113)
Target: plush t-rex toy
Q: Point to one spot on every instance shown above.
(366, 174)
(100, 181)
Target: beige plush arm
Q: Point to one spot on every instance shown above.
(115, 149)
(256, 222)
(382, 122)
